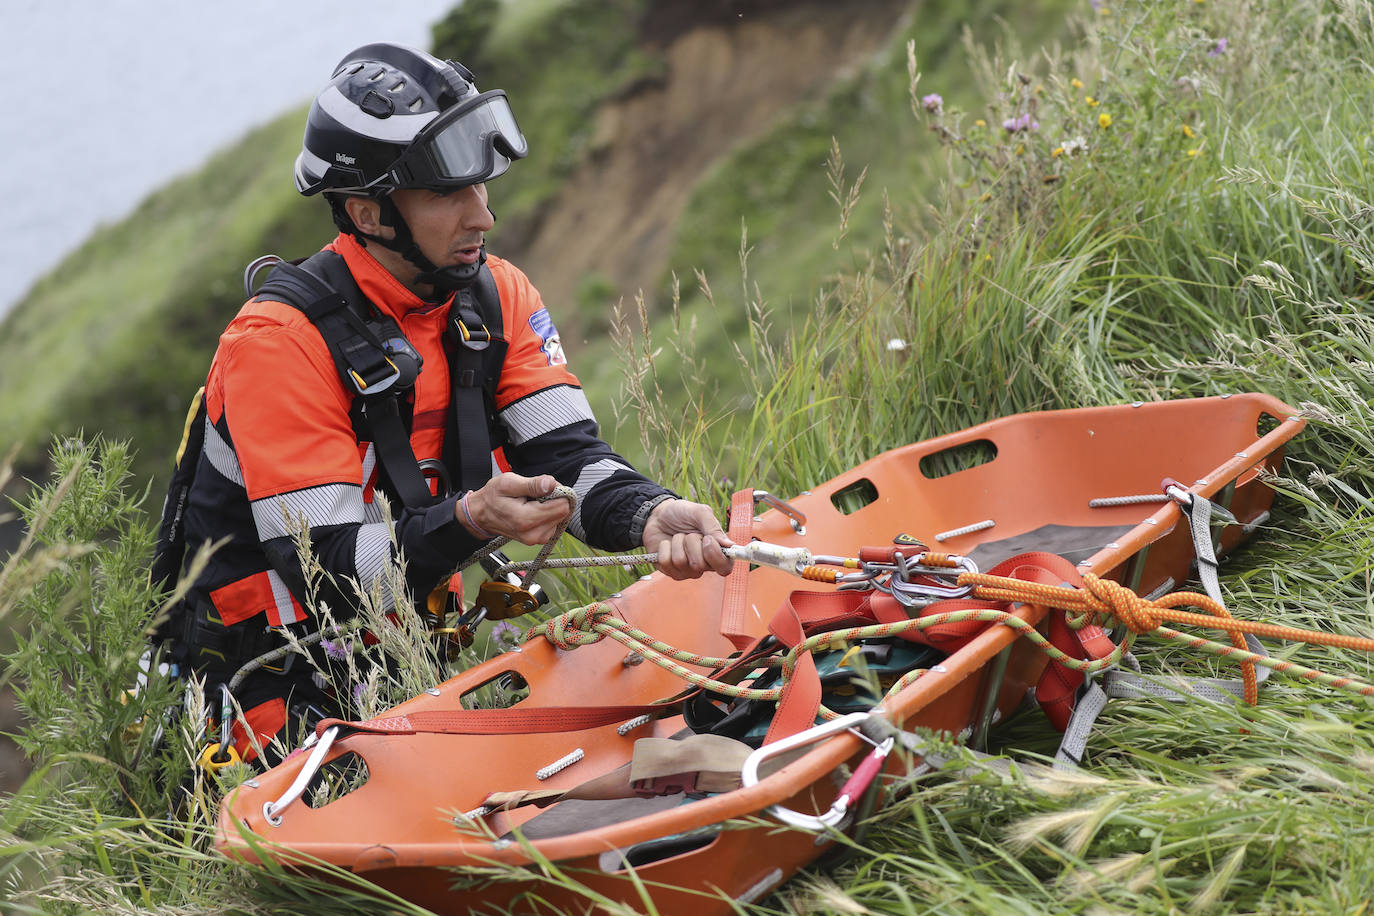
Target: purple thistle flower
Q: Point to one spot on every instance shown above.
(358, 690)
(1096, 5)
(506, 633)
(933, 102)
(1218, 49)
(337, 651)
(1020, 123)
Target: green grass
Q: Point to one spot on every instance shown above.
(1138, 272)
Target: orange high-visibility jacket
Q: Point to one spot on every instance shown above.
(280, 446)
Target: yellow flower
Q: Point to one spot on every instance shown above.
(1104, 11)
(1020, 149)
(1057, 152)
(1076, 83)
(1040, 90)
(1104, 120)
(980, 123)
(1192, 153)
(985, 198)
(1092, 102)
(1188, 132)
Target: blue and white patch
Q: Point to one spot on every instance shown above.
(541, 322)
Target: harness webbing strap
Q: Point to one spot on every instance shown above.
(736, 602)
(469, 337)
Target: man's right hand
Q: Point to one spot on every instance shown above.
(508, 506)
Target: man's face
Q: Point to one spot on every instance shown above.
(449, 228)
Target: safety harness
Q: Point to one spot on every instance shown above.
(377, 363)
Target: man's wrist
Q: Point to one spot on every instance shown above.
(641, 518)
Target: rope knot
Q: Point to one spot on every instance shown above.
(577, 627)
(1114, 599)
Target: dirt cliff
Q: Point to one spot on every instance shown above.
(732, 68)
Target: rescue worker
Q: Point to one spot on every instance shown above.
(401, 145)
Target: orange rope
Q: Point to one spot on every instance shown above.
(1101, 600)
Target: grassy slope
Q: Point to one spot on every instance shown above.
(123, 329)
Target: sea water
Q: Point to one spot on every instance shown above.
(106, 100)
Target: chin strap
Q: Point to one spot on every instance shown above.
(443, 279)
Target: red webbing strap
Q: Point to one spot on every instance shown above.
(1057, 690)
(801, 697)
(495, 721)
(736, 602)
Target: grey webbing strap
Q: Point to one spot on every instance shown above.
(1118, 683)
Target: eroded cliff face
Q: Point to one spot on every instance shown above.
(731, 69)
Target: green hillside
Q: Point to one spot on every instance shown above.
(116, 337)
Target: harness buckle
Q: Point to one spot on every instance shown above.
(474, 338)
(376, 385)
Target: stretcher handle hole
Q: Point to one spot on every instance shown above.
(855, 496)
(341, 776)
(499, 691)
(962, 457)
(1266, 424)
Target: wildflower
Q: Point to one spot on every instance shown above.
(358, 691)
(1056, 152)
(1218, 49)
(985, 198)
(1020, 149)
(506, 633)
(980, 123)
(1188, 132)
(1076, 145)
(933, 102)
(1192, 153)
(1076, 83)
(337, 651)
(1092, 102)
(1039, 89)
(1020, 123)
(896, 344)
(1104, 120)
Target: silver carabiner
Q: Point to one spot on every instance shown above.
(749, 773)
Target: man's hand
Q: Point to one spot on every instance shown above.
(508, 506)
(688, 539)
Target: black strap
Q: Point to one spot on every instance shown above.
(336, 307)
(476, 345)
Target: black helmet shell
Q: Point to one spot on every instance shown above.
(380, 97)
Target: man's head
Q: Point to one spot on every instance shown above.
(395, 118)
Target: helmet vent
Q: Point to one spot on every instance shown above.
(381, 71)
(416, 105)
(398, 87)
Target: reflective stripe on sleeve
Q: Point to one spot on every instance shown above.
(592, 475)
(372, 556)
(331, 504)
(544, 411)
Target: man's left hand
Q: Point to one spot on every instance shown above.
(688, 539)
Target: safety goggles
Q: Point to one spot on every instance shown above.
(470, 143)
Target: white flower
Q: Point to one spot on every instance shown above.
(1076, 145)
(896, 343)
